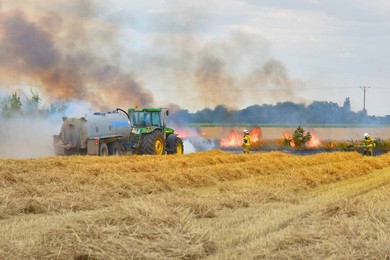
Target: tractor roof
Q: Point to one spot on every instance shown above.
(145, 109)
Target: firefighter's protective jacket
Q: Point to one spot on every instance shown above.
(369, 142)
(247, 141)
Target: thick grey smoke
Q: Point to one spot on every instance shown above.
(67, 57)
(240, 69)
(233, 70)
(272, 79)
(75, 50)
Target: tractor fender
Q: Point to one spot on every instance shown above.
(170, 143)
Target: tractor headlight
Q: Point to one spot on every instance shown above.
(135, 131)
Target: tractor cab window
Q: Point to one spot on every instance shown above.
(145, 119)
(156, 119)
(141, 119)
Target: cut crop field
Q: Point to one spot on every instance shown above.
(207, 205)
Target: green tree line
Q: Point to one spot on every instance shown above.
(285, 113)
(14, 105)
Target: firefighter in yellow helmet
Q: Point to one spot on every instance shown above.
(368, 144)
(246, 143)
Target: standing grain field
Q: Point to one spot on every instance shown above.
(209, 205)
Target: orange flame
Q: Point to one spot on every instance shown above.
(182, 133)
(255, 135)
(236, 138)
(288, 138)
(314, 142)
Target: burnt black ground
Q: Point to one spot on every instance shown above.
(238, 150)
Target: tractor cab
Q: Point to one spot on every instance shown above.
(146, 117)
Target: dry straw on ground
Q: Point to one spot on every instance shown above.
(212, 205)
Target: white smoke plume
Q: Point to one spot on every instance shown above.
(27, 137)
(29, 134)
(193, 140)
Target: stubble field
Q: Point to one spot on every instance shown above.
(208, 205)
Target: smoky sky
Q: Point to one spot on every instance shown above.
(75, 50)
(66, 59)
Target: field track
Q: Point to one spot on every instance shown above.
(210, 205)
(276, 220)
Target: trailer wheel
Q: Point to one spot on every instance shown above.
(153, 143)
(103, 149)
(114, 149)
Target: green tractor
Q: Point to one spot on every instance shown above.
(149, 133)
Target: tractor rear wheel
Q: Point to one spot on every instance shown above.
(153, 143)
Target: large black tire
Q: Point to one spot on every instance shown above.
(115, 149)
(175, 145)
(179, 146)
(153, 143)
(103, 149)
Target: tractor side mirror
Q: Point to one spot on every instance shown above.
(167, 113)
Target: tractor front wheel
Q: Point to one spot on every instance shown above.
(179, 146)
(175, 145)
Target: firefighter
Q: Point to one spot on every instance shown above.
(369, 144)
(246, 144)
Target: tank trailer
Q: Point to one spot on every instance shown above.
(137, 131)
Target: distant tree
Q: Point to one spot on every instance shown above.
(288, 112)
(181, 116)
(11, 105)
(251, 114)
(318, 112)
(222, 114)
(203, 116)
(323, 112)
(300, 138)
(15, 103)
(35, 96)
(31, 104)
(347, 105)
